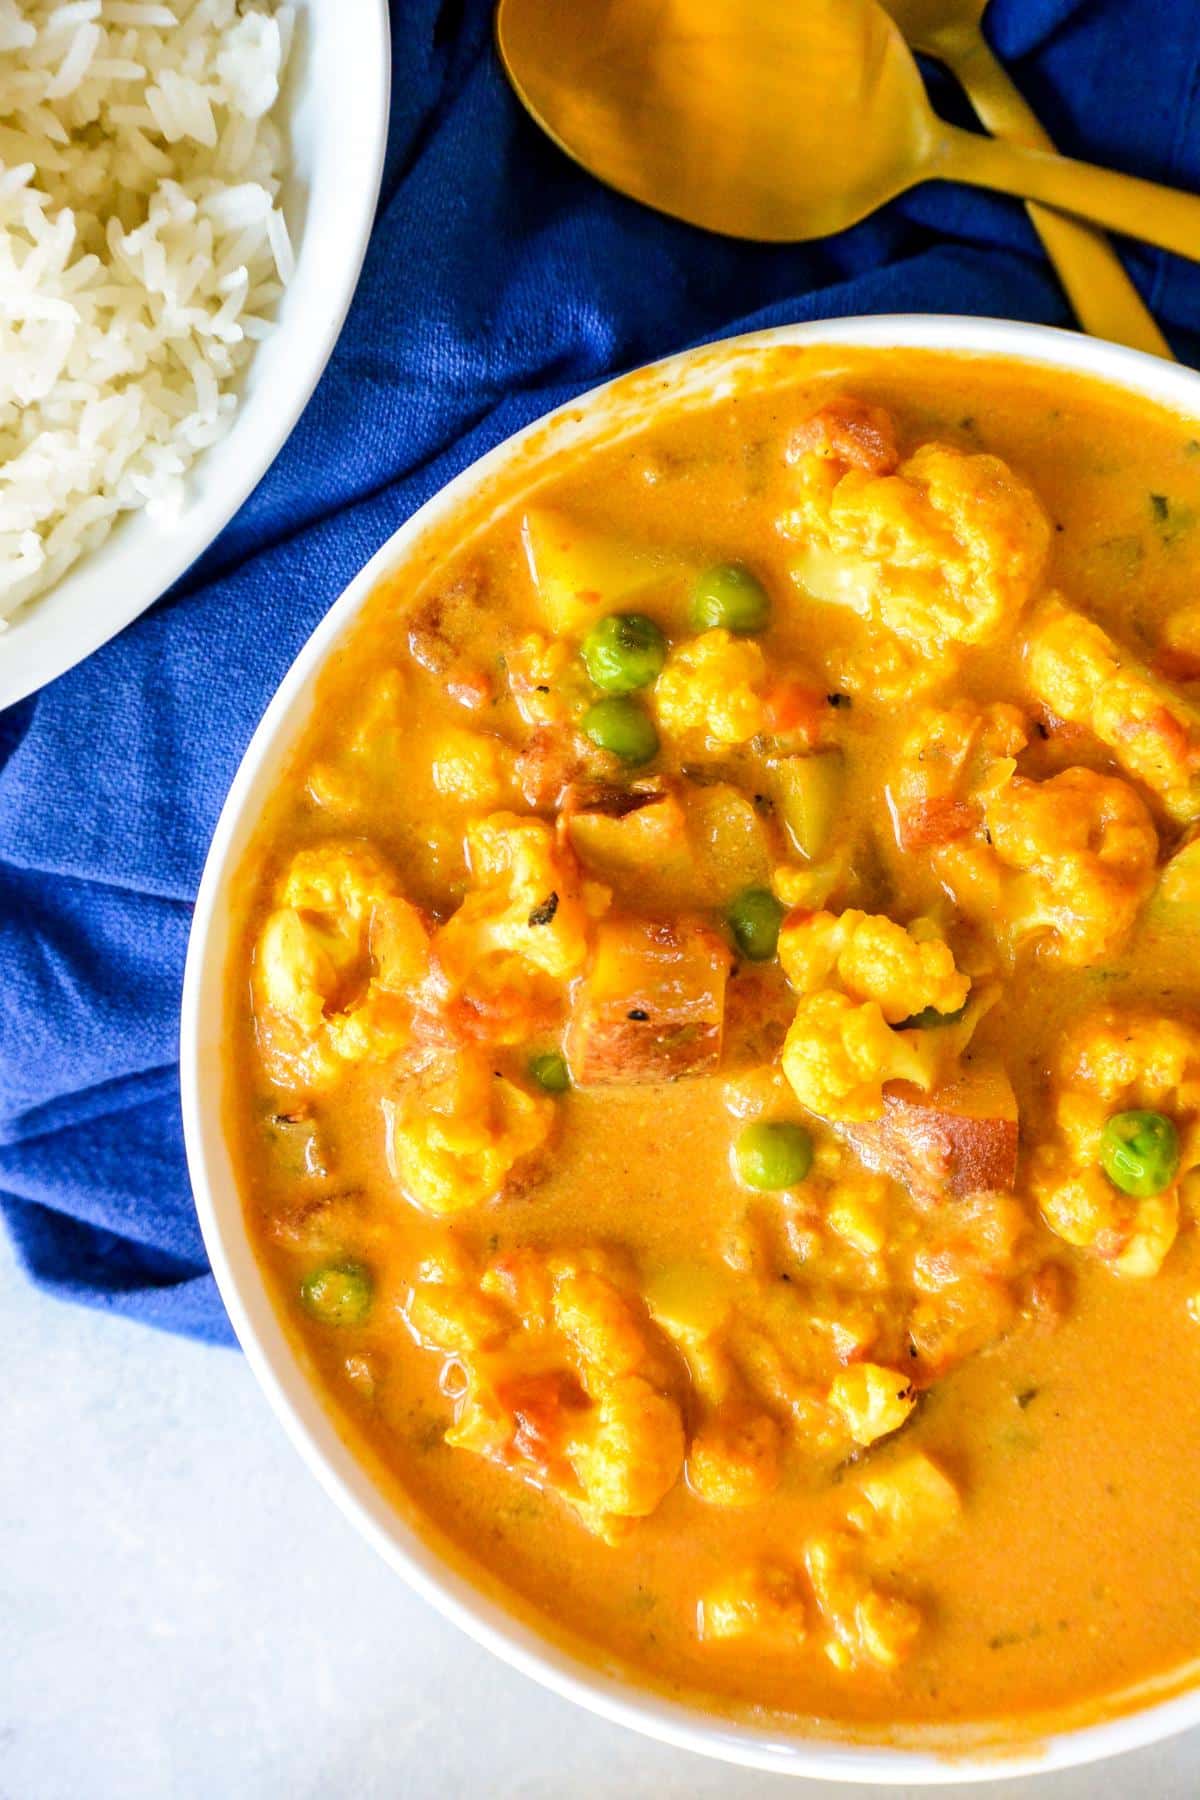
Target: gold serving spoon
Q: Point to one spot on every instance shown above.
(789, 119)
(1104, 299)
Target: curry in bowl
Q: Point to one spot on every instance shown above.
(716, 1071)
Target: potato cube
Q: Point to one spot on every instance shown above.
(960, 1139)
(809, 791)
(580, 573)
(910, 1501)
(765, 1601)
(652, 1005)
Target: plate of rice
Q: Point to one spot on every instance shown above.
(184, 209)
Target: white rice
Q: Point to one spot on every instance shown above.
(142, 252)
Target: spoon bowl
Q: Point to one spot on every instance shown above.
(680, 106)
(795, 128)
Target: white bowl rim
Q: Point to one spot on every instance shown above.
(306, 1420)
(40, 644)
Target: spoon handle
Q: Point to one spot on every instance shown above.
(1140, 209)
(1101, 294)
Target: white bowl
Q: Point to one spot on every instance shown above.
(335, 109)
(618, 406)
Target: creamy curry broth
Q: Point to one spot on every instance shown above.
(911, 1438)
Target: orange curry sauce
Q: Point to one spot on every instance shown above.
(913, 1437)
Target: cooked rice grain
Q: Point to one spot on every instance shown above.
(142, 253)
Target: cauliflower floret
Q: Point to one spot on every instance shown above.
(562, 1378)
(733, 1458)
(336, 965)
(871, 1401)
(873, 958)
(896, 1513)
(946, 551)
(598, 1320)
(764, 1602)
(455, 1137)
(1083, 676)
(455, 1318)
(1113, 1061)
(950, 759)
(1083, 849)
(1069, 860)
(547, 679)
(736, 1447)
(840, 1049)
(629, 1451)
(522, 931)
(867, 1624)
(471, 768)
(523, 874)
(839, 1052)
(712, 689)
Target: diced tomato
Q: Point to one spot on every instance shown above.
(937, 821)
(1174, 738)
(471, 688)
(500, 1015)
(538, 1404)
(1171, 735)
(551, 760)
(1109, 1244)
(1061, 731)
(1047, 1299)
(849, 431)
(795, 709)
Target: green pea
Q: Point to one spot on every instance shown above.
(1139, 1152)
(729, 595)
(624, 652)
(755, 917)
(929, 1016)
(550, 1072)
(338, 1293)
(773, 1156)
(623, 728)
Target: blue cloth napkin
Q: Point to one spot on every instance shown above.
(499, 281)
